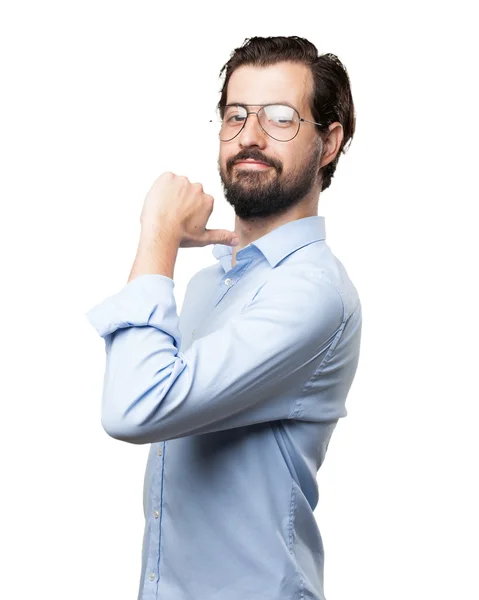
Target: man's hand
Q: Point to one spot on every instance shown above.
(181, 209)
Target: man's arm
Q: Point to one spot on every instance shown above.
(157, 253)
(251, 370)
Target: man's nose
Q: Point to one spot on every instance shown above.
(252, 133)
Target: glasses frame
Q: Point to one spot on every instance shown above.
(251, 112)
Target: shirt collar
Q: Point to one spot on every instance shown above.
(283, 240)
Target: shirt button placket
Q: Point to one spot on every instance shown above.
(152, 576)
(156, 513)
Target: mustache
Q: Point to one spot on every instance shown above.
(253, 155)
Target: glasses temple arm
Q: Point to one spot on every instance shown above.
(308, 121)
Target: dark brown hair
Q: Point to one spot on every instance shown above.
(332, 100)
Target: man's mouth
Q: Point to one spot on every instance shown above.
(253, 163)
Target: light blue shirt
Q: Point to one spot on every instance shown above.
(238, 397)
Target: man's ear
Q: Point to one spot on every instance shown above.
(332, 143)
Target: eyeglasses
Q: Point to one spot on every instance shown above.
(279, 121)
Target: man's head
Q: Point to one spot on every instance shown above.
(282, 70)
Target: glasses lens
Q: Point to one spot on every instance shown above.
(279, 121)
(233, 120)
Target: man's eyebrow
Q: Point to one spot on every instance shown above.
(264, 103)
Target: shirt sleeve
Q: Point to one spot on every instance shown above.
(235, 376)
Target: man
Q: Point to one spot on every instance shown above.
(239, 396)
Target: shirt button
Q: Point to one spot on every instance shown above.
(227, 281)
(152, 576)
(160, 451)
(156, 514)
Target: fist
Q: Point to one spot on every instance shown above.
(178, 208)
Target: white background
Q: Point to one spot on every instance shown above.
(92, 98)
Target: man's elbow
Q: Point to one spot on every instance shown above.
(122, 429)
(137, 415)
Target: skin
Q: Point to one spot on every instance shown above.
(295, 164)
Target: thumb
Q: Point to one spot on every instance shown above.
(222, 236)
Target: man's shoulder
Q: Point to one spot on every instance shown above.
(321, 268)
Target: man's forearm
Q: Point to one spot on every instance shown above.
(157, 252)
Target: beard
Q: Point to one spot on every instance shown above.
(262, 193)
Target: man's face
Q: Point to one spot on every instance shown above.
(260, 192)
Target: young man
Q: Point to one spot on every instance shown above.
(239, 395)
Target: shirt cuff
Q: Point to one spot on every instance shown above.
(146, 300)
